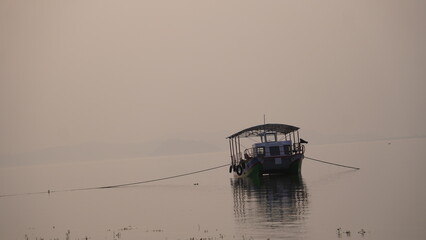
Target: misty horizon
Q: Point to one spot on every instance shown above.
(73, 73)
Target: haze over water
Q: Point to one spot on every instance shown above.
(384, 198)
(132, 72)
(98, 93)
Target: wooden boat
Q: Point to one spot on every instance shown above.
(279, 151)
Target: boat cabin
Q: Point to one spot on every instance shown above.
(276, 140)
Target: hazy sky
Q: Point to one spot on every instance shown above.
(133, 71)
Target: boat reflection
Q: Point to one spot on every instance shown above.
(270, 202)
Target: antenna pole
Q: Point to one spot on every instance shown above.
(264, 119)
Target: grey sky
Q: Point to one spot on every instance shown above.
(73, 72)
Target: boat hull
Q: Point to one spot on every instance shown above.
(250, 168)
(282, 165)
(286, 165)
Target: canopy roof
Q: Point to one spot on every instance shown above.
(260, 129)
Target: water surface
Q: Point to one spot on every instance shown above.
(383, 200)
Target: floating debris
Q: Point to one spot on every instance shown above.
(361, 232)
(67, 235)
(128, 228)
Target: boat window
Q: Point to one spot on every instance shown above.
(287, 149)
(274, 151)
(260, 151)
(271, 137)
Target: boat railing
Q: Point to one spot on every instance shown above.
(296, 148)
(249, 153)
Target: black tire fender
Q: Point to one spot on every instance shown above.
(239, 170)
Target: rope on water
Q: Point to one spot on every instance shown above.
(146, 181)
(153, 180)
(335, 164)
(120, 185)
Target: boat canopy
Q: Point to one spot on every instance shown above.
(261, 129)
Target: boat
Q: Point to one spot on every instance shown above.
(278, 150)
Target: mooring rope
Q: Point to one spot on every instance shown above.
(118, 185)
(153, 180)
(146, 181)
(335, 164)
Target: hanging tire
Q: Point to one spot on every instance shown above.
(231, 168)
(239, 170)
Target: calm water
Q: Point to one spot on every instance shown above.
(386, 198)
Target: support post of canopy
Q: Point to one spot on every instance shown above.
(239, 149)
(236, 150)
(294, 137)
(298, 142)
(230, 151)
(234, 161)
